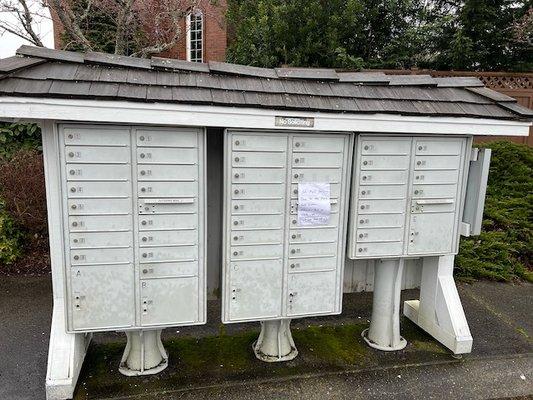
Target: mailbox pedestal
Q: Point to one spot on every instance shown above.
(384, 331)
(275, 342)
(144, 354)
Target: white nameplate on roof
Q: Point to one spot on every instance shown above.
(314, 205)
(295, 121)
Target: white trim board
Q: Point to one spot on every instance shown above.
(27, 108)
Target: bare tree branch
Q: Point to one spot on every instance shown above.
(70, 23)
(20, 9)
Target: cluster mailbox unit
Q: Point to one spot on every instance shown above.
(317, 167)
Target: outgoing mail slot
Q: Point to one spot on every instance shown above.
(103, 136)
(313, 235)
(333, 221)
(164, 138)
(256, 159)
(257, 222)
(380, 220)
(169, 253)
(317, 160)
(297, 250)
(381, 206)
(331, 143)
(382, 192)
(162, 238)
(99, 206)
(426, 177)
(162, 155)
(437, 162)
(151, 172)
(380, 235)
(169, 270)
(432, 205)
(312, 264)
(257, 175)
(167, 189)
(388, 146)
(166, 222)
(335, 189)
(259, 143)
(255, 252)
(272, 236)
(438, 147)
(101, 256)
(181, 205)
(334, 204)
(382, 177)
(384, 162)
(94, 155)
(100, 239)
(316, 175)
(98, 189)
(434, 191)
(379, 249)
(257, 206)
(258, 191)
(99, 172)
(100, 223)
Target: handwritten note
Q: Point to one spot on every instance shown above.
(314, 206)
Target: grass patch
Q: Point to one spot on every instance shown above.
(503, 251)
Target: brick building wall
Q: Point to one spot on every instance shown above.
(215, 33)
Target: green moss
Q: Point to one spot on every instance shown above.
(504, 250)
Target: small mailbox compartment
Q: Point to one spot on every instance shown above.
(259, 143)
(256, 159)
(164, 138)
(257, 175)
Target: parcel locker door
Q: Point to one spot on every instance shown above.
(102, 297)
(171, 301)
(254, 289)
(311, 293)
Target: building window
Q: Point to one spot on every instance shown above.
(195, 36)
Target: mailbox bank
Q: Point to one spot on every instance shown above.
(167, 180)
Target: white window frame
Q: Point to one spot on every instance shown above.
(198, 14)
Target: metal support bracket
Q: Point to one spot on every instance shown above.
(275, 341)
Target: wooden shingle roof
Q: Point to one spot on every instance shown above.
(41, 72)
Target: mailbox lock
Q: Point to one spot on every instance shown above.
(293, 221)
(72, 172)
(362, 221)
(74, 223)
(235, 222)
(141, 138)
(293, 251)
(366, 147)
(362, 207)
(235, 238)
(297, 144)
(71, 136)
(145, 255)
(363, 192)
(292, 265)
(365, 162)
(144, 239)
(420, 147)
(364, 178)
(361, 235)
(142, 155)
(76, 257)
(236, 159)
(74, 206)
(416, 192)
(295, 191)
(72, 189)
(360, 249)
(145, 271)
(143, 189)
(296, 160)
(71, 154)
(236, 207)
(143, 223)
(236, 191)
(235, 253)
(296, 176)
(75, 240)
(143, 172)
(236, 175)
(237, 143)
(419, 163)
(293, 236)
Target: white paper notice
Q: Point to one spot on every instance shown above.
(314, 205)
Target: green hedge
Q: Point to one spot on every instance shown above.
(504, 249)
(11, 238)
